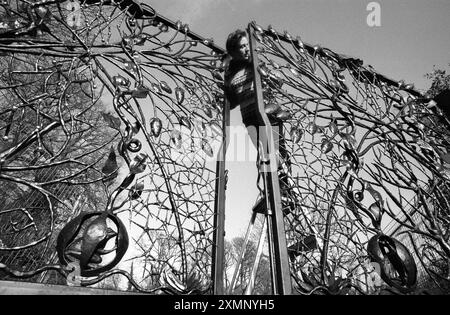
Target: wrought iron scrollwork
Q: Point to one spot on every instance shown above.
(86, 246)
(111, 123)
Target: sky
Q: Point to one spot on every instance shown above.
(411, 38)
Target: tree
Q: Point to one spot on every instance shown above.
(436, 261)
(440, 81)
(53, 146)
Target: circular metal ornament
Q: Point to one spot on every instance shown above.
(397, 266)
(134, 145)
(83, 240)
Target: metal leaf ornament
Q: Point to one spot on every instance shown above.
(155, 126)
(314, 128)
(136, 191)
(193, 283)
(333, 126)
(165, 87)
(216, 75)
(179, 94)
(272, 108)
(113, 122)
(120, 81)
(351, 158)
(136, 127)
(200, 127)
(355, 197)
(127, 41)
(375, 194)
(169, 279)
(263, 71)
(326, 146)
(156, 88)
(42, 12)
(283, 115)
(294, 72)
(140, 92)
(208, 111)
(140, 39)
(184, 121)
(375, 211)
(206, 147)
(176, 139)
(139, 163)
(296, 134)
(130, 66)
(110, 168)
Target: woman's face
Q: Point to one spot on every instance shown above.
(243, 50)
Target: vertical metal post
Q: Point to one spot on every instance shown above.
(218, 250)
(283, 284)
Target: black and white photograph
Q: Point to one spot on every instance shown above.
(225, 155)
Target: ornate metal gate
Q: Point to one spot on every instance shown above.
(361, 153)
(111, 159)
(115, 112)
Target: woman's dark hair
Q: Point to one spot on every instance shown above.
(234, 39)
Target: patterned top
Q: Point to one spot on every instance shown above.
(240, 91)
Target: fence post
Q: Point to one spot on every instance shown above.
(218, 250)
